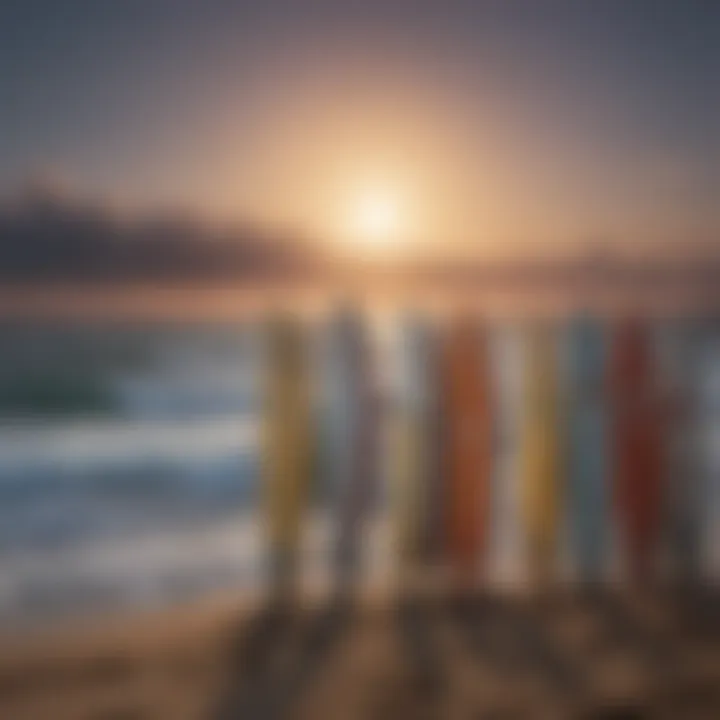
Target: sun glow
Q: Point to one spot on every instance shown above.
(376, 218)
(374, 221)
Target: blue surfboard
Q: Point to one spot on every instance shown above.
(349, 441)
(587, 446)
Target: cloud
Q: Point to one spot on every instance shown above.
(47, 236)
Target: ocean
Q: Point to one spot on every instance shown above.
(127, 465)
(129, 469)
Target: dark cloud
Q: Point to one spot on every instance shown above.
(46, 236)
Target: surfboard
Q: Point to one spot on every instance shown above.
(638, 437)
(350, 437)
(413, 477)
(412, 448)
(541, 452)
(432, 532)
(708, 409)
(285, 444)
(681, 355)
(467, 447)
(587, 469)
(507, 527)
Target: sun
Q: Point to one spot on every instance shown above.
(375, 219)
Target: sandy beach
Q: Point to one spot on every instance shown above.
(563, 657)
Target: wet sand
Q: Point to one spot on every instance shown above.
(474, 657)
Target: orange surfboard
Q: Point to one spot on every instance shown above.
(638, 434)
(467, 447)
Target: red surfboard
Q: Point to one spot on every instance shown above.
(638, 436)
(467, 447)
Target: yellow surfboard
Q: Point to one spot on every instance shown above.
(541, 452)
(285, 443)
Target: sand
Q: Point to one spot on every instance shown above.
(563, 656)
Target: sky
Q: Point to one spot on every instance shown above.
(480, 127)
